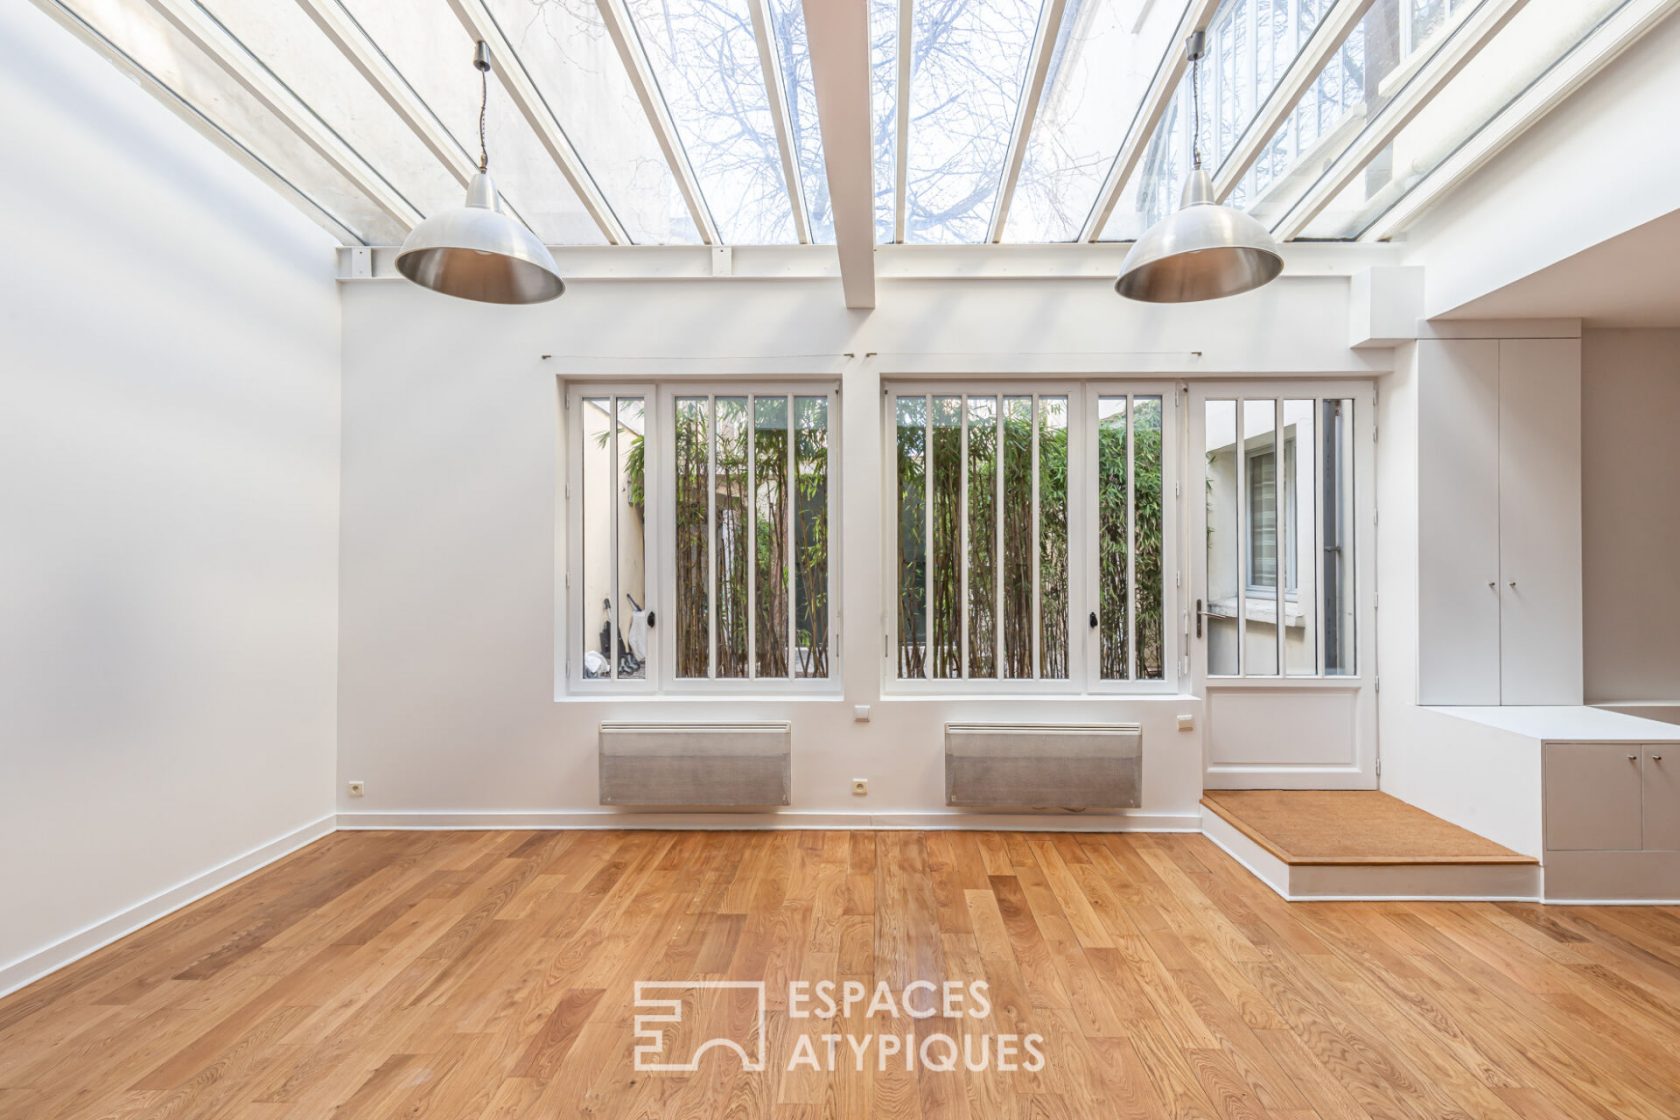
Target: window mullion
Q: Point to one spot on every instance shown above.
(1130, 621)
(927, 537)
(962, 535)
(1281, 566)
(612, 537)
(790, 526)
(1037, 543)
(998, 667)
(1319, 539)
(712, 596)
(1243, 558)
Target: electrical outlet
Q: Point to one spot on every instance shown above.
(355, 789)
(860, 787)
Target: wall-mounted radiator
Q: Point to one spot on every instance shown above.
(1056, 766)
(706, 765)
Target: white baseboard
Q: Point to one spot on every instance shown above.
(26, 970)
(470, 819)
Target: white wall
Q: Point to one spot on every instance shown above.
(449, 507)
(1630, 409)
(168, 504)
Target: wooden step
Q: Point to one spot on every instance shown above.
(1361, 844)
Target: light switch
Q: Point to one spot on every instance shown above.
(1186, 721)
(860, 713)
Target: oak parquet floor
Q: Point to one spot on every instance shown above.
(492, 974)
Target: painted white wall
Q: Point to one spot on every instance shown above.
(1600, 164)
(1630, 400)
(449, 532)
(168, 491)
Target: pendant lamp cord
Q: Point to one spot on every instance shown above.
(483, 103)
(1196, 110)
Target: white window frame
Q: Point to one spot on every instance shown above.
(1084, 641)
(660, 483)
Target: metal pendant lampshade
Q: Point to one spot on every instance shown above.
(479, 252)
(1202, 250)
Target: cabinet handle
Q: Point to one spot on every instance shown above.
(1493, 585)
(1656, 758)
(1633, 758)
(1513, 585)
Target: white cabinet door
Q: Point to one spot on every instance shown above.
(1458, 515)
(1592, 797)
(1539, 521)
(1662, 798)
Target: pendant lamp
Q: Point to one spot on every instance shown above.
(1202, 250)
(479, 252)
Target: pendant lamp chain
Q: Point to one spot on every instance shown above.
(483, 104)
(1195, 47)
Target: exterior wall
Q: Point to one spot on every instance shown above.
(169, 491)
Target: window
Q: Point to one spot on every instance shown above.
(698, 519)
(1263, 519)
(1029, 536)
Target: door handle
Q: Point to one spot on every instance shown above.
(1199, 613)
(1093, 620)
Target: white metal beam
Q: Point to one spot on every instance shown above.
(198, 120)
(1044, 49)
(901, 117)
(1598, 50)
(775, 89)
(839, 37)
(1327, 38)
(1452, 56)
(1156, 98)
(256, 79)
(617, 18)
(516, 80)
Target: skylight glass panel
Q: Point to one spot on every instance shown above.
(968, 66)
(1104, 58)
(135, 28)
(576, 67)
(883, 106)
(1537, 38)
(433, 52)
(794, 48)
(1250, 46)
(705, 57)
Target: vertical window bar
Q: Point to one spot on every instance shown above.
(1241, 502)
(712, 596)
(1279, 536)
(1131, 625)
(612, 534)
(927, 525)
(962, 535)
(750, 509)
(999, 467)
(791, 527)
(1037, 545)
(1317, 606)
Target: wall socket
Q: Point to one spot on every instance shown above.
(355, 789)
(860, 787)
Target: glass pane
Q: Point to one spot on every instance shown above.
(1220, 495)
(945, 606)
(1113, 543)
(1338, 536)
(788, 21)
(1540, 34)
(433, 52)
(576, 67)
(692, 440)
(1053, 538)
(1259, 487)
(912, 537)
(155, 45)
(883, 106)
(982, 537)
(705, 58)
(770, 555)
(730, 534)
(811, 550)
(1149, 537)
(1300, 548)
(597, 497)
(967, 70)
(1104, 59)
(1017, 537)
(631, 604)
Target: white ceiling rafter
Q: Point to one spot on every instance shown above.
(523, 92)
(839, 37)
(1470, 37)
(617, 18)
(1327, 38)
(901, 117)
(1197, 14)
(775, 88)
(1615, 35)
(240, 64)
(1026, 112)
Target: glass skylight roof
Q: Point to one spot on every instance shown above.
(696, 120)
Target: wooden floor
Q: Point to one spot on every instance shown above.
(479, 974)
(1317, 826)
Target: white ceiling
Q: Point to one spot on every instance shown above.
(1631, 280)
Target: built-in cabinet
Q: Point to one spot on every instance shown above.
(1499, 506)
(1612, 820)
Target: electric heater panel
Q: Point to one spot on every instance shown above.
(1023, 766)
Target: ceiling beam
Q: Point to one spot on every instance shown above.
(1607, 41)
(237, 61)
(1156, 98)
(901, 117)
(617, 18)
(1451, 57)
(1026, 113)
(1327, 38)
(775, 90)
(838, 31)
(523, 92)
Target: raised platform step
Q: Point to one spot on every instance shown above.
(1359, 844)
